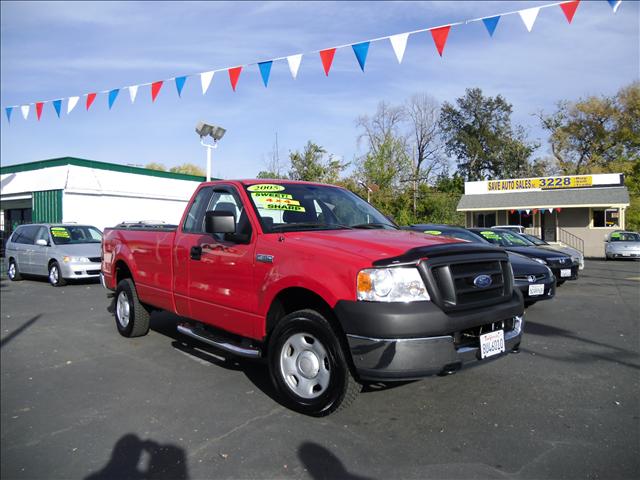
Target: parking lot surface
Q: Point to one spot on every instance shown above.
(80, 401)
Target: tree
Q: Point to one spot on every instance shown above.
(156, 166)
(596, 134)
(478, 132)
(273, 164)
(189, 169)
(313, 165)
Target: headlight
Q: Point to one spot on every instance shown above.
(391, 285)
(75, 259)
(539, 260)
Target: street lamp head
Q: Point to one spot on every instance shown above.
(205, 129)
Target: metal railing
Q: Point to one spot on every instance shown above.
(571, 240)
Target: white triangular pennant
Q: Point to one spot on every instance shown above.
(551, 210)
(616, 5)
(205, 80)
(71, 104)
(133, 91)
(399, 43)
(25, 111)
(529, 16)
(294, 64)
(528, 211)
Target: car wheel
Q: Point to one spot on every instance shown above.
(308, 365)
(12, 271)
(132, 317)
(55, 275)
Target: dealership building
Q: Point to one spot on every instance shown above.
(578, 211)
(88, 192)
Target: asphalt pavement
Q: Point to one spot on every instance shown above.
(80, 401)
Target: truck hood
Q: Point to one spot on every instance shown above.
(373, 245)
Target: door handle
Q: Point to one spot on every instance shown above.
(196, 252)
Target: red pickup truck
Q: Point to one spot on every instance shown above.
(318, 282)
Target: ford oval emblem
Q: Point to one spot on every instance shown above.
(482, 281)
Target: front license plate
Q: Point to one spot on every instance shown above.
(625, 254)
(565, 272)
(536, 290)
(491, 343)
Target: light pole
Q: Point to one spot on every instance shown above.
(368, 190)
(216, 133)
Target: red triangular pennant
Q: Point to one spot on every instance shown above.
(39, 106)
(569, 9)
(90, 98)
(440, 37)
(327, 59)
(155, 89)
(234, 75)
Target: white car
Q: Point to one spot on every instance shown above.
(622, 244)
(511, 228)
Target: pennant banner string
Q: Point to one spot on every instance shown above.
(398, 42)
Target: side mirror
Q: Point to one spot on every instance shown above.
(42, 242)
(219, 222)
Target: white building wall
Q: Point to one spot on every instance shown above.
(108, 210)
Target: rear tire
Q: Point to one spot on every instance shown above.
(55, 275)
(12, 271)
(308, 366)
(132, 317)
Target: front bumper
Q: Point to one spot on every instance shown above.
(623, 254)
(548, 294)
(557, 272)
(80, 270)
(414, 340)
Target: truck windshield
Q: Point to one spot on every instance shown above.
(68, 235)
(289, 207)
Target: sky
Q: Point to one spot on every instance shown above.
(51, 50)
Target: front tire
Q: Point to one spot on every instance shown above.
(132, 317)
(12, 271)
(308, 366)
(55, 275)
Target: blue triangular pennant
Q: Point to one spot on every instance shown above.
(57, 104)
(361, 50)
(491, 23)
(265, 71)
(8, 110)
(113, 94)
(180, 84)
(615, 4)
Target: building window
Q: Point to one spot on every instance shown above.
(606, 217)
(524, 219)
(484, 220)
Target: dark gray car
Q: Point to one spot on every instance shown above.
(57, 251)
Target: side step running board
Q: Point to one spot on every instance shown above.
(223, 344)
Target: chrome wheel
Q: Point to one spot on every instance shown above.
(304, 365)
(54, 275)
(123, 309)
(11, 272)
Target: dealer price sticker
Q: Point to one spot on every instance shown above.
(491, 343)
(565, 272)
(536, 290)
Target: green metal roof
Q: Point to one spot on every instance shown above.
(114, 167)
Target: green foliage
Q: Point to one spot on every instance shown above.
(478, 133)
(189, 169)
(313, 165)
(156, 166)
(632, 214)
(270, 174)
(596, 134)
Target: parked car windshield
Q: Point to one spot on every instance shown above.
(72, 234)
(289, 207)
(533, 239)
(625, 237)
(505, 239)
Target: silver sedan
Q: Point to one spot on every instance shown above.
(622, 245)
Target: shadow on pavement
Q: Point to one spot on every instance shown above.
(19, 330)
(133, 458)
(321, 463)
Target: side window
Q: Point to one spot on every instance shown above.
(42, 234)
(194, 221)
(28, 234)
(229, 201)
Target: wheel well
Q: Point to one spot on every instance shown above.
(122, 271)
(51, 260)
(296, 298)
